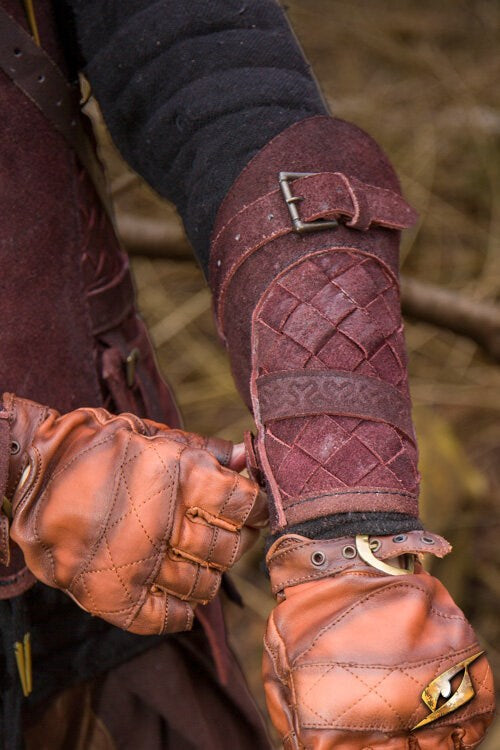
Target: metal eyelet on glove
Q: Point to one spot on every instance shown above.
(349, 552)
(318, 558)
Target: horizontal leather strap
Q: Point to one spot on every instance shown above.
(325, 195)
(293, 560)
(304, 393)
(110, 304)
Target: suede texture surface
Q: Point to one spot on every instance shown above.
(325, 301)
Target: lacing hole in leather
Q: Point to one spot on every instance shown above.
(428, 540)
(41, 78)
(17, 52)
(399, 538)
(15, 447)
(349, 552)
(375, 545)
(318, 558)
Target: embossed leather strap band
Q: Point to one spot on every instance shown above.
(293, 559)
(302, 393)
(325, 195)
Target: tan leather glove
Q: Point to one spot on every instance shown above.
(134, 521)
(358, 657)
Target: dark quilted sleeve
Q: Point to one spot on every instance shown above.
(192, 90)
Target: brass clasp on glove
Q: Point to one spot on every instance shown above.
(441, 687)
(365, 547)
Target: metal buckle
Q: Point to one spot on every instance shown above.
(290, 199)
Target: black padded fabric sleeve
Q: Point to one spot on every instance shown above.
(350, 524)
(190, 91)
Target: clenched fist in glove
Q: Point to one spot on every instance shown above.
(134, 521)
(362, 654)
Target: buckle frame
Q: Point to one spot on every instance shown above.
(299, 226)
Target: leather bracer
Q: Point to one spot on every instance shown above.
(305, 275)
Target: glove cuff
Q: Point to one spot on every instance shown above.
(293, 559)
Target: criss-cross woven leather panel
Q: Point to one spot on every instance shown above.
(340, 311)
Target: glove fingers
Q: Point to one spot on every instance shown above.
(220, 492)
(259, 513)
(162, 613)
(204, 539)
(188, 580)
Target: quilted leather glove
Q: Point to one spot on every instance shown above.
(134, 521)
(362, 654)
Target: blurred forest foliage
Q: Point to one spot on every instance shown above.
(422, 78)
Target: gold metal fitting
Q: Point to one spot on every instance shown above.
(365, 549)
(22, 652)
(441, 687)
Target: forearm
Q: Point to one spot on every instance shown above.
(356, 325)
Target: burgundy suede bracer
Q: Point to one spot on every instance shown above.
(313, 326)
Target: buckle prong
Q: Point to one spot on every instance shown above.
(290, 199)
(365, 550)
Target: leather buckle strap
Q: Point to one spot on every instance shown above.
(327, 199)
(294, 559)
(291, 200)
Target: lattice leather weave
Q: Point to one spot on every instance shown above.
(336, 310)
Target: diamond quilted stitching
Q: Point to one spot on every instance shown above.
(307, 327)
(333, 304)
(334, 710)
(341, 353)
(297, 467)
(278, 307)
(304, 280)
(359, 328)
(334, 264)
(352, 461)
(321, 437)
(351, 323)
(361, 285)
